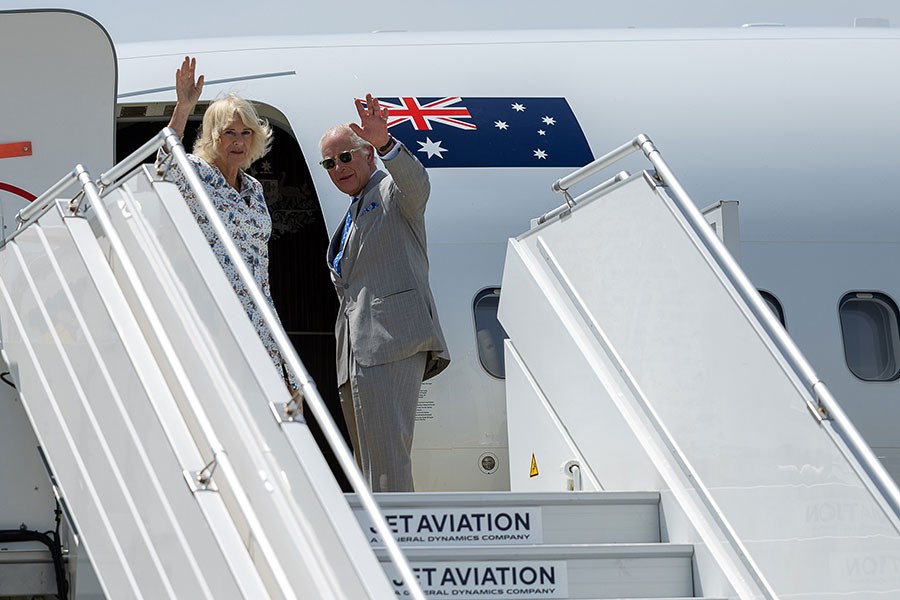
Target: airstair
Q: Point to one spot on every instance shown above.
(184, 467)
(640, 357)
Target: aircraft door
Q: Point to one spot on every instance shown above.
(58, 79)
(58, 74)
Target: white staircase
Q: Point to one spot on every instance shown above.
(536, 545)
(183, 464)
(641, 354)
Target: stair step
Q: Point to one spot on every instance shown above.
(580, 571)
(507, 518)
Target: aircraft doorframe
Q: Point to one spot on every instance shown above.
(301, 287)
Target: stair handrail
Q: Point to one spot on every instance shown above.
(127, 164)
(591, 193)
(310, 393)
(826, 407)
(40, 204)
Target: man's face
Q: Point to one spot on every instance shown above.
(350, 177)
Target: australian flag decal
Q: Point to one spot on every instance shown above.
(489, 132)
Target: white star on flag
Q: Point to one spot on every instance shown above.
(549, 120)
(501, 125)
(518, 107)
(432, 148)
(541, 132)
(540, 154)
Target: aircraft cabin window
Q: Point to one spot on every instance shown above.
(774, 305)
(869, 325)
(489, 333)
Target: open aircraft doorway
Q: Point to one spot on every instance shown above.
(301, 288)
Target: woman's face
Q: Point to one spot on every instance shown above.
(234, 144)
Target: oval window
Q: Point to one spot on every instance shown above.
(774, 305)
(869, 327)
(489, 333)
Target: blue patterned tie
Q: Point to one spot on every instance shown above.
(337, 259)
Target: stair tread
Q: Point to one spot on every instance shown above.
(636, 570)
(485, 518)
(551, 551)
(587, 543)
(487, 499)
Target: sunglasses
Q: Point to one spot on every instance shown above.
(345, 157)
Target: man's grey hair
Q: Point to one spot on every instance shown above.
(344, 129)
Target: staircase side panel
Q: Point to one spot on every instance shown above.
(542, 463)
(544, 388)
(278, 485)
(701, 369)
(71, 344)
(585, 391)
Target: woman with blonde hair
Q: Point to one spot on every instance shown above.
(231, 138)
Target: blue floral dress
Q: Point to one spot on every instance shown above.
(247, 219)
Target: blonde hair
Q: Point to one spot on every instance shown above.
(219, 115)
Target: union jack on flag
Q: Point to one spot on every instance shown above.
(458, 131)
(421, 115)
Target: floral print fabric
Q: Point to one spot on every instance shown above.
(247, 219)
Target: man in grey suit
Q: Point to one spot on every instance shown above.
(388, 336)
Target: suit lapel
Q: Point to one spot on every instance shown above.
(335, 246)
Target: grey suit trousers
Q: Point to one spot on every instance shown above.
(379, 406)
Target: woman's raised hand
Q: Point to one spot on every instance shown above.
(187, 88)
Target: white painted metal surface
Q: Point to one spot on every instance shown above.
(280, 491)
(26, 569)
(517, 519)
(65, 64)
(581, 571)
(675, 355)
(90, 387)
(723, 218)
(139, 369)
(540, 545)
(45, 53)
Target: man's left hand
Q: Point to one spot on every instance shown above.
(372, 122)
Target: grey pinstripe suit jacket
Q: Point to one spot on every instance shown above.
(387, 310)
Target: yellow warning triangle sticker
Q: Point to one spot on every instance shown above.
(534, 469)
